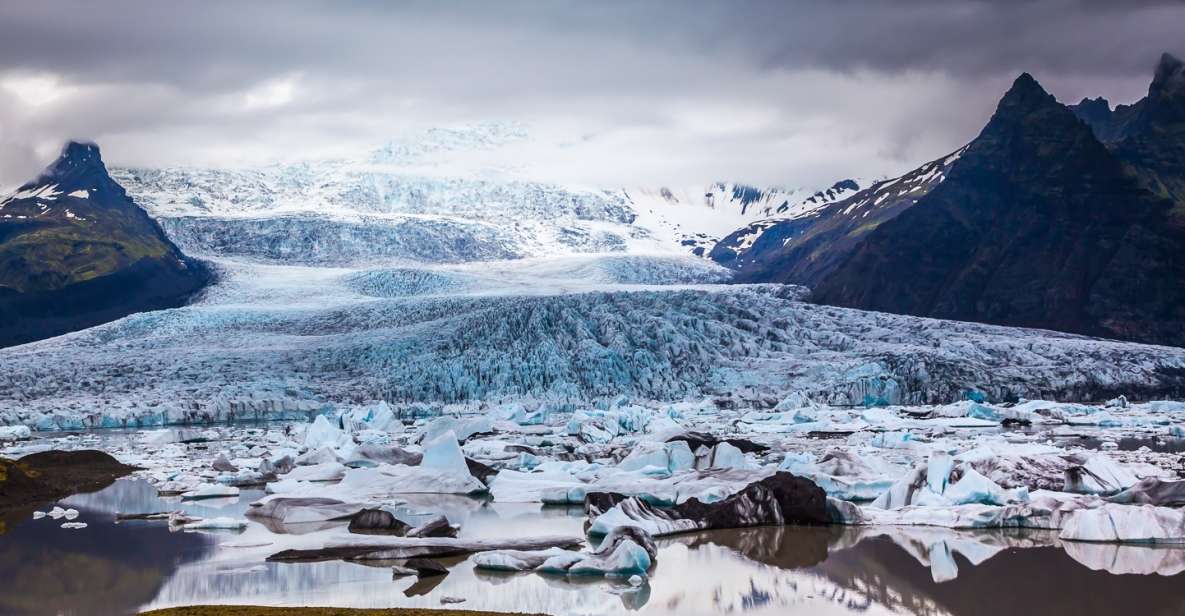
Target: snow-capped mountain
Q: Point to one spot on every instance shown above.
(76, 252)
(697, 218)
(1054, 217)
(444, 196)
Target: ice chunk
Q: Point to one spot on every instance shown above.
(327, 471)
(938, 471)
(725, 455)
(516, 560)
(323, 434)
(15, 433)
(892, 440)
(1098, 474)
(973, 487)
(659, 459)
(222, 523)
(444, 455)
(625, 552)
(210, 490)
(1126, 524)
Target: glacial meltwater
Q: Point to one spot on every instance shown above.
(112, 567)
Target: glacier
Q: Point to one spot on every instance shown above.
(562, 334)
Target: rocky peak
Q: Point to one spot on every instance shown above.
(1165, 105)
(1025, 96)
(80, 167)
(1170, 75)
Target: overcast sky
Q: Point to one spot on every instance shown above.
(632, 93)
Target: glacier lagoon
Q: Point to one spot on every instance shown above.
(121, 566)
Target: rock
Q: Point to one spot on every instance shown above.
(776, 500)
(377, 522)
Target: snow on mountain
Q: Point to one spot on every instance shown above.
(698, 217)
(444, 196)
(829, 216)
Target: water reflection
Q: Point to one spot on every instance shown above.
(103, 569)
(111, 568)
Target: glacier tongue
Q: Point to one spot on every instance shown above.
(272, 342)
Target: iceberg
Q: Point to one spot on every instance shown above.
(1114, 523)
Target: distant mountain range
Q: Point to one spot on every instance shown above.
(76, 251)
(444, 196)
(1066, 218)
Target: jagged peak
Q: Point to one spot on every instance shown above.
(1170, 75)
(1098, 103)
(1025, 93)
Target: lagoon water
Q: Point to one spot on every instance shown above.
(120, 568)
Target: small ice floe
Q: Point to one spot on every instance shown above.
(210, 490)
(379, 547)
(222, 523)
(37, 515)
(58, 513)
(73, 525)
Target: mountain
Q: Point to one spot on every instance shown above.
(1035, 223)
(801, 244)
(76, 251)
(442, 196)
(1150, 135)
(723, 207)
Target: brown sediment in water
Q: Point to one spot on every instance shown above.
(253, 610)
(51, 475)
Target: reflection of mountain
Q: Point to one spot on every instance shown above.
(103, 569)
(1017, 572)
(1041, 580)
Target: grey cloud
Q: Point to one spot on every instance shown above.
(839, 87)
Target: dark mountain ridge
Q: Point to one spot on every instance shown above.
(1053, 217)
(76, 251)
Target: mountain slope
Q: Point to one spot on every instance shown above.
(75, 251)
(804, 244)
(1039, 225)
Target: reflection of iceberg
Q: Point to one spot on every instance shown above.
(1127, 559)
(935, 547)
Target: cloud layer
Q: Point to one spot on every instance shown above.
(651, 93)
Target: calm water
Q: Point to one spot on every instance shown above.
(111, 568)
